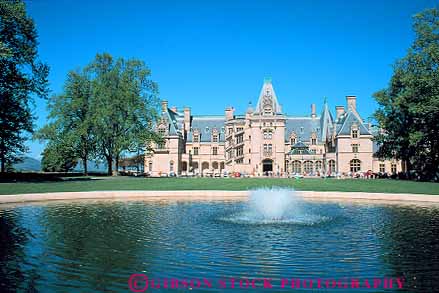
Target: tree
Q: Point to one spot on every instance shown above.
(124, 106)
(70, 119)
(21, 76)
(408, 108)
(59, 156)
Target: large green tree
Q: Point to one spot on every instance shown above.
(124, 106)
(409, 108)
(21, 77)
(70, 128)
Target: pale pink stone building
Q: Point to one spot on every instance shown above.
(265, 141)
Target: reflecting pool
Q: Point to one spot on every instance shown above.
(95, 246)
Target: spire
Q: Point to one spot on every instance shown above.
(326, 120)
(267, 102)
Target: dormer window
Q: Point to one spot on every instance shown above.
(354, 133)
(301, 129)
(215, 138)
(267, 111)
(222, 129)
(196, 138)
(207, 129)
(293, 141)
(313, 141)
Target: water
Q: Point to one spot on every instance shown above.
(96, 246)
(275, 206)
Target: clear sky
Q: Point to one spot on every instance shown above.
(213, 54)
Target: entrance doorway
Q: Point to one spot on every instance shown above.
(267, 166)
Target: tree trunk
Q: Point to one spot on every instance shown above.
(84, 162)
(110, 165)
(117, 166)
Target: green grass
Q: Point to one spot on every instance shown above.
(126, 183)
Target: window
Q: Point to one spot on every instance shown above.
(308, 167)
(301, 129)
(239, 161)
(355, 165)
(230, 130)
(162, 131)
(161, 145)
(382, 168)
(249, 137)
(195, 151)
(331, 166)
(297, 167)
(354, 133)
(313, 141)
(393, 168)
(249, 151)
(239, 129)
(293, 141)
(171, 166)
(222, 129)
(215, 138)
(355, 147)
(215, 151)
(319, 166)
(240, 151)
(150, 167)
(239, 139)
(207, 129)
(268, 134)
(196, 138)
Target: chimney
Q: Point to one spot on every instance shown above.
(164, 106)
(229, 113)
(187, 118)
(313, 111)
(339, 110)
(174, 109)
(351, 102)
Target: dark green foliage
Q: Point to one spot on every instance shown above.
(409, 107)
(21, 76)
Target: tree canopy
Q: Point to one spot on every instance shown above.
(409, 108)
(106, 109)
(21, 77)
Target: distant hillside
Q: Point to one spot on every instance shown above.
(28, 164)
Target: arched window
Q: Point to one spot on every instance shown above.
(150, 166)
(215, 165)
(297, 167)
(222, 165)
(331, 166)
(195, 166)
(204, 166)
(308, 167)
(355, 165)
(319, 166)
(184, 166)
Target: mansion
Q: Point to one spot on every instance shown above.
(265, 141)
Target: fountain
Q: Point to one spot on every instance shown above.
(273, 206)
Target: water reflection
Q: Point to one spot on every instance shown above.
(86, 247)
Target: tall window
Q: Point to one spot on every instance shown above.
(308, 167)
(382, 168)
(355, 165)
(319, 166)
(393, 168)
(354, 133)
(240, 151)
(196, 138)
(150, 167)
(297, 167)
(171, 166)
(313, 141)
(230, 130)
(196, 151)
(215, 151)
(355, 147)
(331, 166)
(293, 141)
(240, 138)
(215, 138)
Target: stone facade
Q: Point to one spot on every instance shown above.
(265, 141)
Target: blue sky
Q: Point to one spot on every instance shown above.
(213, 54)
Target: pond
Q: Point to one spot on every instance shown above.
(95, 246)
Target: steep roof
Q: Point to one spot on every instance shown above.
(349, 119)
(303, 127)
(205, 125)
(267, 98)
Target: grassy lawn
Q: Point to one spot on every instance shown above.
(129, 183)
